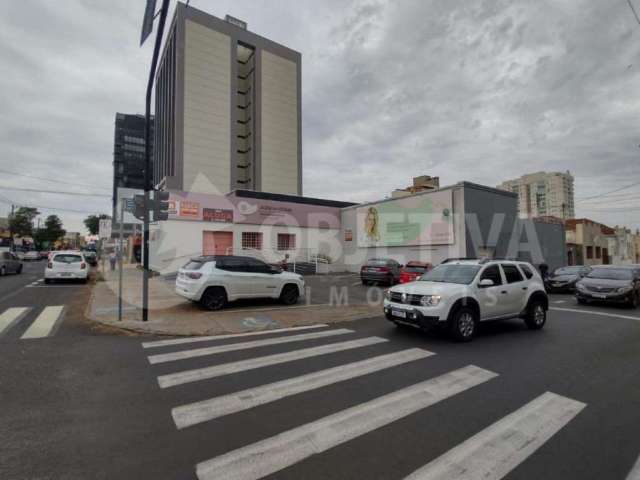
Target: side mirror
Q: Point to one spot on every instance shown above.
(486, 282)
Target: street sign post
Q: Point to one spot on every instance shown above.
(147, 20)
(104, 228)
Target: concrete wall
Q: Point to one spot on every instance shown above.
(353, 256)
(207, 110)
(175, 241)
(490, 218)
(279, 125)
(543, 243)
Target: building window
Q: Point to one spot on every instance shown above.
(598, 253)
(589, 252)
(252, 240)
(286, 241)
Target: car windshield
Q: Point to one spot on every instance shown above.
(67, 258)
(451, 273)
(611, 273)
(568, 270)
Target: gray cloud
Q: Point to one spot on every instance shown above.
(478, 91)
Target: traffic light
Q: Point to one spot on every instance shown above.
(160, 209)
(138, 207)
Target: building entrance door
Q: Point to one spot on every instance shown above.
(217, 243)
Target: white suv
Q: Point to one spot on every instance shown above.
(215, 280)
(461, 293)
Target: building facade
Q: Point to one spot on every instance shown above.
(423, 183)
(621, 245)
(543, 194)
(587, 242)
(228, 109)
(128, 153)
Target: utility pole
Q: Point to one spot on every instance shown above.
(148, 181)
(11, 227)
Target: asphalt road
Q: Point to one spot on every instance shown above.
(82, 403)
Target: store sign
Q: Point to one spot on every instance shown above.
(189, 209)
(410, 221)
(104, 228)
(174, 205)
(217, 215)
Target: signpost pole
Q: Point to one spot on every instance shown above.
(120, 261)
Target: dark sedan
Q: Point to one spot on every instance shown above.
(611, 284)
(380, 270)
(564, 279)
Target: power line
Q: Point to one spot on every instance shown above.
(56, 192)
(635, 14)
(8, 201)
(607, 193)
(52, 180)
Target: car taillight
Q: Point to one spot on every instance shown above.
(50, 265)
(194, 275)
(383, 269)
(83, 266)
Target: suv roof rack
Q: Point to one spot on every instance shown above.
(457, 259)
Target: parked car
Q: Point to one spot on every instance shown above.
(44, 254)
(9, 263)
(215, 280)
(413, 270)
(31, 256)
(66, 265)
(564, 279)
(91, 257)
(460, 294)
(610, 284)
(380, 270)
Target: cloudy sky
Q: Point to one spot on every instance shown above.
(480, 91)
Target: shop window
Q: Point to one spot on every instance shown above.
(251, 240)
(286, 241)
(589, 252)
(598, 253)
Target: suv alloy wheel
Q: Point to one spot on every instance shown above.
(536, 315)
(289, 294)
(214, 298)
(463, 324)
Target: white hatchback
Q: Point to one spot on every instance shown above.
(213, 281)
(66, 265)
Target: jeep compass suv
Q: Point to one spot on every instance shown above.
(459, 294)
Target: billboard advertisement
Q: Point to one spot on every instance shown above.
(409, 221)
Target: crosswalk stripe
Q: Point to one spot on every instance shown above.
(273, 454)
(634, 474)
(198, 374)
(200, 352)
(12, 316)
(180, 341)
(194, 413)
(495, 451)
(45, 323)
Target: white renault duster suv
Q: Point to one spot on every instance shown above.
(458, 294)
(215, 280)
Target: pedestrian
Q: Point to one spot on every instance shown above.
(112, 260)
(284, 264)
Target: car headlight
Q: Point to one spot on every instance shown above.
(580, 286)
(387, 294)
(624, 289)
(430, 300)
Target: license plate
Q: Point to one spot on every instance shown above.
(64, 274)
(399, 313)
(556, 284)
(598, 295)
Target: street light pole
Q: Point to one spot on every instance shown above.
(148, 181)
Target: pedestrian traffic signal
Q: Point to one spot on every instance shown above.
(138, 207)
(160, 208)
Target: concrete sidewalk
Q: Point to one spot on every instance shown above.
(170, 314)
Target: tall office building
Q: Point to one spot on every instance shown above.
(227, 109)
(128, 152)
(543, 194)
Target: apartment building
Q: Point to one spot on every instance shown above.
(543, 194)
(228, 109)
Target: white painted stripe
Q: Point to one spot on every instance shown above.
(592, 312)
(45, 323)
(11, 316)
(201, 352)
(180, 341)
(495, 451)
(273, 454)
(198, 374)
(634, 474)
(205, 410)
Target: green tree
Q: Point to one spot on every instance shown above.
(21, 222)
(51, 231)
(92, 222)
